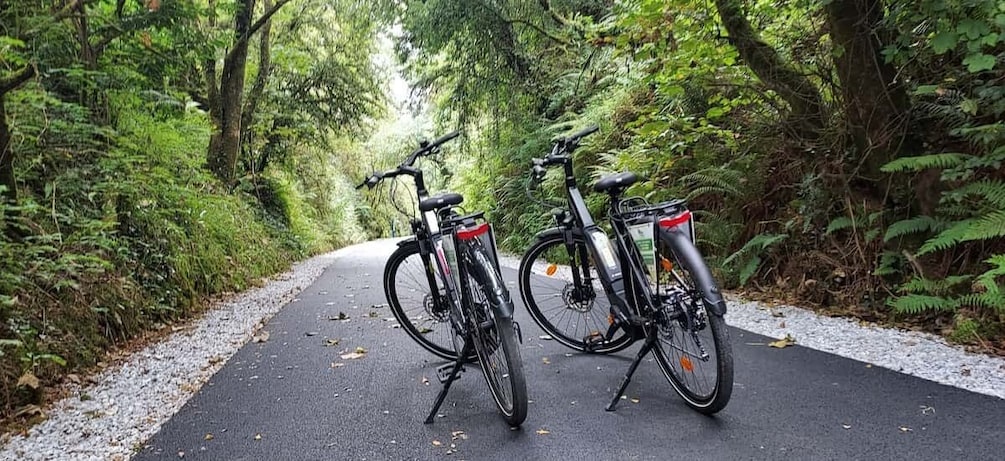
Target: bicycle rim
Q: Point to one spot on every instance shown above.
(567, 312)
(410, 298)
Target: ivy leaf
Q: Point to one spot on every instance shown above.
(978, 62)
(944, 41)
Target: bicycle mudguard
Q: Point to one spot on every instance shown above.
(493, 281)
(406, 241)
(689, 256)
(556, 231)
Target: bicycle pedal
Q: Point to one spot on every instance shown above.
(593, 340)
(443, 372)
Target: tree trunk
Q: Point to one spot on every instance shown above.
(802, 96)
(225, 143)
(6, 157)
(258, 88)
(875, 105)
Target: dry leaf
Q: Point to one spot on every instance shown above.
(352, 356)
(635, 400)
(258, 436)
(337, 364)
(543, 432)
(29, 410)
(28, 379)
(261, 337)
(437, 443)
(905, 429)
(545, 337)
(360, 350)
(787, 341)
(208, 436)
(846, 426)
(425, 380)
(545, 360)
(332, 342)
(311, 333)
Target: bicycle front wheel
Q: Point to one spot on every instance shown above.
(419, 309)
(495, 338)
(570, 309)
(693, 349)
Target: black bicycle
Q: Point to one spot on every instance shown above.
(444, 288)
(651, 283)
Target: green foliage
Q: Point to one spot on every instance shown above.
(749, 257)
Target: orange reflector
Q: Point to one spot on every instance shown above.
(610, 319)
(551, 269)
(667, 265)
(686, 364)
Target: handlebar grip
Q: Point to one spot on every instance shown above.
(583, 133)
(443, 139)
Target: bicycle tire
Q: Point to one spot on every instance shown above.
(495, 338)
(405, 276)
(553, 302)
(679, 364)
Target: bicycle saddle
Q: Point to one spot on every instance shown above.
(440, 201)
(621, 180)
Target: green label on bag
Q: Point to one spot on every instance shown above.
(642, 235)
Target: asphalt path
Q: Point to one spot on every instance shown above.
(293, 396)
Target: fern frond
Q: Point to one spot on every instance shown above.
(887, 264)
(934, 286)
(759, 242)
(916, 304)
(989, 191)
(987, 300)
(947, 238)
(987, 227)
(721, 180)
(839, 223)
(749, 269)
(924, 162)
(911, 226)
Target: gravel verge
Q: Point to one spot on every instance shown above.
(914, 353)
(128, 402)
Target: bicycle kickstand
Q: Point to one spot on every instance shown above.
(646, 347)
(453, 376)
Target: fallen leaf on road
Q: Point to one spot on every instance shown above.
(787, 341)
(258, 436)
(425, 330)
(28, 379)
(868, 365)
(545, 337)
(374, 314)
(337, 364)
(332, 342)
(846, 426)
(545, 360)
(261, 337)
(437, 443)
(360, 350)
(352, 356)
(458, 435)
(635, 400)
(311, 333)
(181, 454)
(905, 429)
(425, 380)
(543, 432)
(925, 409)
(208, 436)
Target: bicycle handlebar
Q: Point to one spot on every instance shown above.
(425, 148)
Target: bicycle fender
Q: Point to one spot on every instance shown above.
(407, 241)
(690, 257)
(492, 279)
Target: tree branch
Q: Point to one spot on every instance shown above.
(11, 82)
(264, 19)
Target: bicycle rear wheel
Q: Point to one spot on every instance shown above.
(567, 311)
(495, 338)
(414, 304)
(693, 349)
